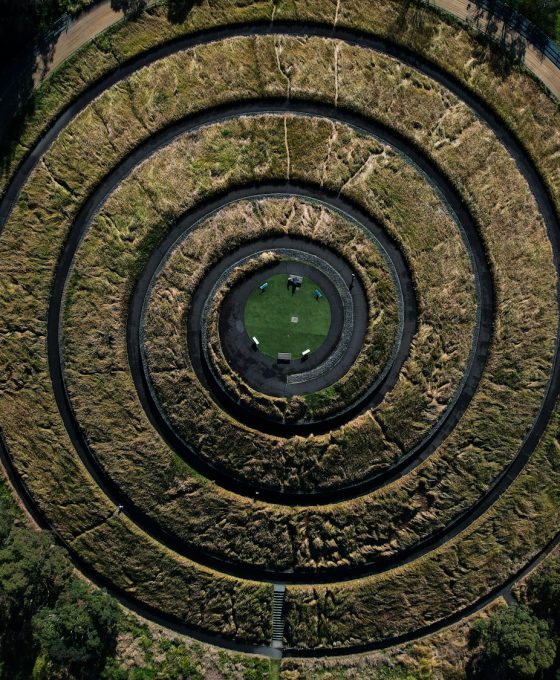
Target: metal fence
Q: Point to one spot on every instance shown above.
(59, 26)
(516, 23)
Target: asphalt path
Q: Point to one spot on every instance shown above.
(207, 468)
(515, 149)
(370, 398)
(173, 623)
(266, 373)
(212, 469)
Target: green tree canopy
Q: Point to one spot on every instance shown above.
(33, 572)
(516, 644)
(544, 13)
(544, 592)
(78, 632)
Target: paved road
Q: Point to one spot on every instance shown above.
(20, 77)
(100, 17)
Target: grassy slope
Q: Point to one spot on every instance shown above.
(123, 457)
(532, 122)
(448, 352)
(433, 476)
(246, 220)
(433, 587)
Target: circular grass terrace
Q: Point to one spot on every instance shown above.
(375, 510)
(287, 318)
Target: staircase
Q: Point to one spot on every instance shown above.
(278, 616)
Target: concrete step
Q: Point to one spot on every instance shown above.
(278, 621)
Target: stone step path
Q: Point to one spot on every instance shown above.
(278, 620)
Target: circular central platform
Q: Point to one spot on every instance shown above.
(287, 314)
(270, 364)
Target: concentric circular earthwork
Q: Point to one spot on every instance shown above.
(403, 473)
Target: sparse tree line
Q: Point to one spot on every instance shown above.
(544, 13)
(22, 21)
(55, 625)
(52, 623)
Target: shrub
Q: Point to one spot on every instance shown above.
(516, 644)
(78, 632)
(544, 593)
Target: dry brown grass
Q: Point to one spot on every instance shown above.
(507, 399)
(440, 351)
(454, 576)
(135, 448)
(396, 502)
(135, 454)
(251, 220)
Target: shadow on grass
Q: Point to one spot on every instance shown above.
(414, 24)
(17, 79)
(178, 10)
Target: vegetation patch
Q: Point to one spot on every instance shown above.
(286, 321)
(377, 530)
(244, 222)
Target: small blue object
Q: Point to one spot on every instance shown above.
(264, 286)
(318, 294)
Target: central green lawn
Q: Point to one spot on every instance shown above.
(269, 314)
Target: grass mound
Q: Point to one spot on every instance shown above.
(116, 438)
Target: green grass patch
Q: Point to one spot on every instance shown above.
(286, 319)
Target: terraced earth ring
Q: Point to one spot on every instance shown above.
(356, 538)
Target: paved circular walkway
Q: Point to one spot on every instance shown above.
(116, 494)
(264, 373)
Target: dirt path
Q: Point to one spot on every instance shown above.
(101, 16)
(79, 32)
(542, 67)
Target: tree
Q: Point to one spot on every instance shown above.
(33, 572)
(515, 644)
(21, 20)
(544, 13)
(544, 593)
(178, 10)
(130, 8)
(77, 633)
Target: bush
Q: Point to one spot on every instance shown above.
(515, 644)
(78, 632)
(544, 593)
(50, 622)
